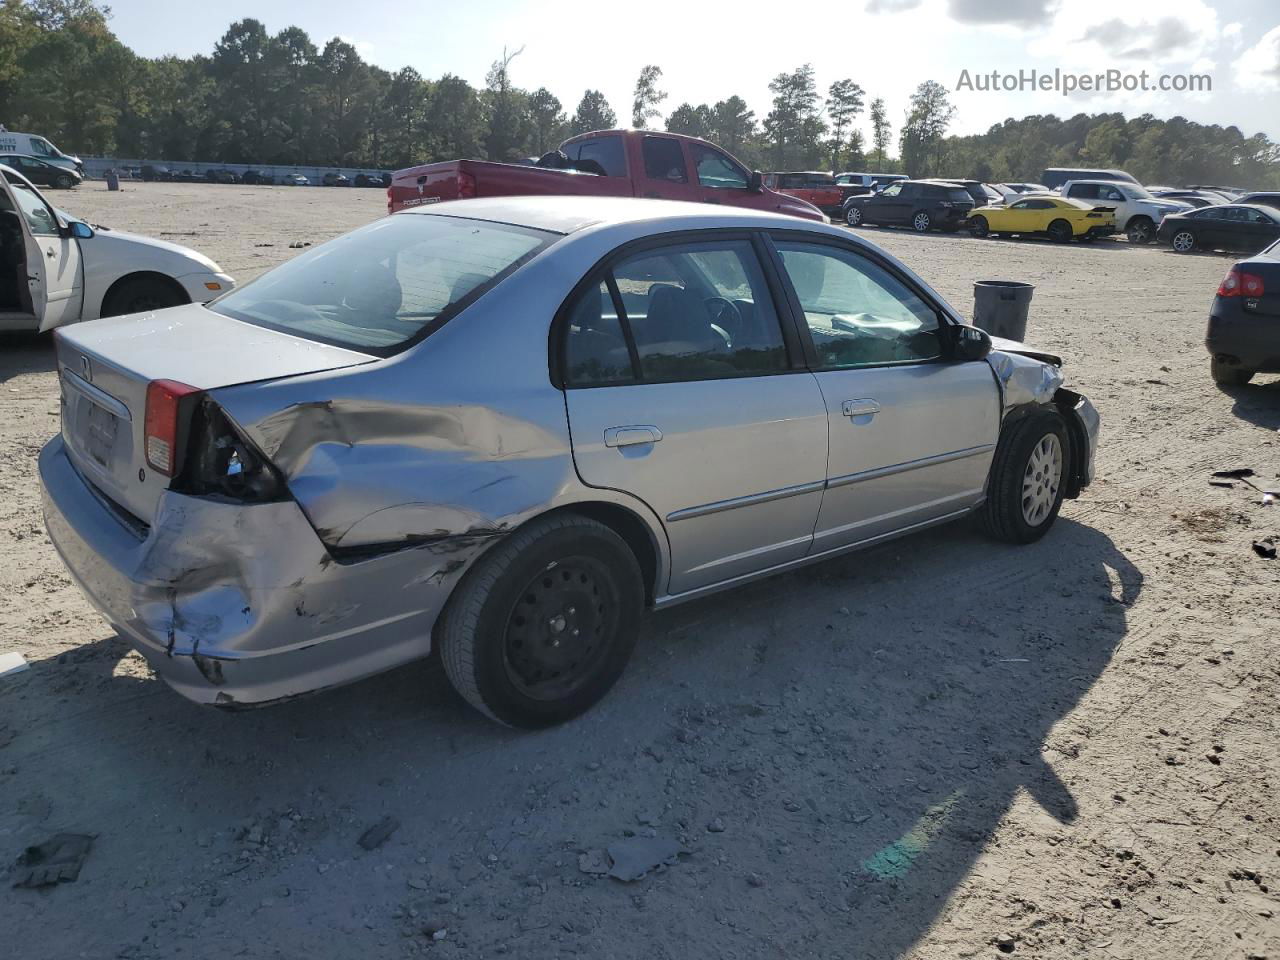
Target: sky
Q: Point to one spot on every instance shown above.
(711, 51)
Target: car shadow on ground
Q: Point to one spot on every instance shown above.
(25, 353)
(1257, 402)
(859, 729)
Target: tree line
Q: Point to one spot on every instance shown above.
(260, 97)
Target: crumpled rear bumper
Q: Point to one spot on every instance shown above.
(240, 604)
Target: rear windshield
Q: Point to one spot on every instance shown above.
(382, 286)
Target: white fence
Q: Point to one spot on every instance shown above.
(96, 167)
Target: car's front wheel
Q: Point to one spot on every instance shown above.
(921, 222)
(65, 181)
(141, 293)
(544, 623)
(979, 227)
(853, 215)
(1140, 230)
(1028, 477)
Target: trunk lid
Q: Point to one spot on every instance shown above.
(104, 367)
(1266, 267)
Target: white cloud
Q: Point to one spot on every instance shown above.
(1259, 67)
(1232, 29)
(363, 47)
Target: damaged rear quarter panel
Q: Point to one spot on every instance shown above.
(450, 443)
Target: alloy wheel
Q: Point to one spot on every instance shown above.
(1184, 241)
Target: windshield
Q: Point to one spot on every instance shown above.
(383, 285)
(1134, 192)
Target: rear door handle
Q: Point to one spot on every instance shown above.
(860, 408)
(628, 436)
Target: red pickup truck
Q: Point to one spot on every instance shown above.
(612, 163)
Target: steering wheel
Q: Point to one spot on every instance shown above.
(725, 317)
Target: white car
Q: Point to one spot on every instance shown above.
(1138, 213)
(55, 269)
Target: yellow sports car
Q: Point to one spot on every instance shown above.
(1057, 218)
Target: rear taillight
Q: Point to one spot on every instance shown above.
(163, 424)
(466, 186)
(222, 461)
(1237, 283)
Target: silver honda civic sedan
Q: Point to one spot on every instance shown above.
(509, 426)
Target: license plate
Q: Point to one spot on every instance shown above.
(100, 437)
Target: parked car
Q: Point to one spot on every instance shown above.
(222, 176)
(1268, 198)
(1055, 177)
(867, 182)
(618, 163)
(257, 177)
(368, 180)
(56, 270)
(921, 204)
(1235, 226)
(294, 180)
(1138, 213)
(34, 145)
(815, 187)
(41, 171)
(982, 194)
(1057, 218)
(335, 180)
(151, 173)
(1231, 193)
(371, 450)
(1243, 337)
(1021, 188)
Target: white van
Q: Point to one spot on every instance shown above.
(33, 145)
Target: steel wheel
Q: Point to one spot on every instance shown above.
(557, 630)
(921, 222)
(1041, 480)
(1184, 241)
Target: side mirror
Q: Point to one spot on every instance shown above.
(755, 183)
(81, 230)
(969, 343)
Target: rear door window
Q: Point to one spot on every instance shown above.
(607, 152)
(664, 160)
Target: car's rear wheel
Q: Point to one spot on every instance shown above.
(65, 181)
(979, 227)
(1184, 241)
(543, 625)
(921, 221)
(1060, 231)
(853, 216)
(1228, 374)
(1028, 477)
(1140, 230)
(141, 293)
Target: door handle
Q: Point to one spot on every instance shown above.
(629, 436)
(50, 254)
(860, 408)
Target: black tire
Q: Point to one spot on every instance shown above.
(979, 227)
(921, 221)
(1228, 375)
(139, 294)
(853, 215)
(1060, 231)
(1005, 515)
(1140, 230)
(499, 659)
(1183, 241)
(64, 181)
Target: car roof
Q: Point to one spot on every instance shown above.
(570, 214)
(1260, 207)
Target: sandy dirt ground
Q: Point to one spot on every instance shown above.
(943, 748)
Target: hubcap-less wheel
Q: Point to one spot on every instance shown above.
(1184, 241)
(853, 216)
(1041, 479)
(920, 222)
(559, 628)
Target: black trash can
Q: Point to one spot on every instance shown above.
(1000, 307)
